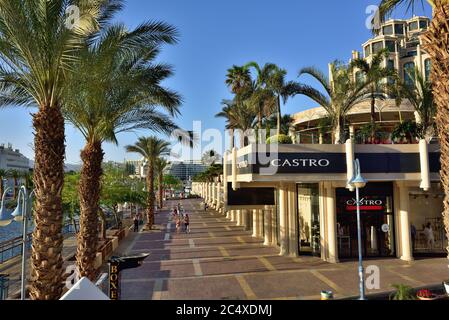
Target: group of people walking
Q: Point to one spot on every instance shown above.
(181, 219)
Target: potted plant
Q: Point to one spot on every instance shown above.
(403, 292)
(426, 294)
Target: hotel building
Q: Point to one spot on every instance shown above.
(296, 197)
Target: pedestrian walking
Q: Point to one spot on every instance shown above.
(178, 224)
(187, 223)
(136, 223)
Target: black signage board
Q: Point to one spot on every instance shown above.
(327, 163)
(250, 196)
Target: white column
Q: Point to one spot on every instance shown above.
(268, 228)
(225, 185)
(239, 217)
(406, 241)
(292, 216)
(331, 224)
(218, 196)
(260, 223)
(233, 215)
(245, 217)
(283, 219)
(255, 217)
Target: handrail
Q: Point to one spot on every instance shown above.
(12, 248)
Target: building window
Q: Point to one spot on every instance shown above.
(399, 29)
(409, 73)
(388, 30)
(390, 45)
(377, 46)
(367, 51)
(390, 66)
(427, 68)
(413, 26)
(423, 24)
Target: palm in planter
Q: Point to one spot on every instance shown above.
(339, 97)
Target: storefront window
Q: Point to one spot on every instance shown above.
(309, 219)
(377, 46)
(399, 29)
(388, 30)
(377, 221)
(390, 45)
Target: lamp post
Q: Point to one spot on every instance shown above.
(23, 217)
(20, 214)
(358, 182)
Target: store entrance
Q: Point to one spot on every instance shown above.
(377, 222)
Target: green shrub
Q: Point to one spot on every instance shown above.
(280, 139)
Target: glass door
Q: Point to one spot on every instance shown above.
(308, 219)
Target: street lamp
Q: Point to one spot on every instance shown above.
(358, 182)
(23, 216)
(5, 219)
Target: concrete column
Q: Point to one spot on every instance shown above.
(239, 217)
(245, 217)
(260, 223)
(225, 184)
(218, 196)
(404, 222)
(268, 228)
(292, 216)
(283, 219)
(255, 217)
(233, 215)
(331, 224)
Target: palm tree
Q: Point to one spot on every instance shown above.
(272, 78)
(160, 166)
(374, 73)
(238, 79)
(15, 175)
(436, 44)
(116, 89)
(238, 116)
(341, 94)
(3, 175)
(38, 50)
(150, 148)
(420, 95)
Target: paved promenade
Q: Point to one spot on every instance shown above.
(219, 260)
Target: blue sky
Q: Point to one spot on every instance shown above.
(215, 34)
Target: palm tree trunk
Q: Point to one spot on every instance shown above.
(150, 197)
(279, 116)
(339, 131)
(437, 45)
(1, 187)
(46, 256)
(161, 191)
(89, 194)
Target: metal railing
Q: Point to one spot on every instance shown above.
(12, 248)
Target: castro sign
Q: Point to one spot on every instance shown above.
(305, 163)
(302, 163)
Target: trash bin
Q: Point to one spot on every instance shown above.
(4, 286)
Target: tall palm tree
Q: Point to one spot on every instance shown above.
(436, 44)
(160, 166)
(374, 72)
(15, 175)
(116, 89)
(150, 148)
(272, 78)
(3, 175)
(238, 116)
(340, 94)
(238, 79)
(38, 50)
